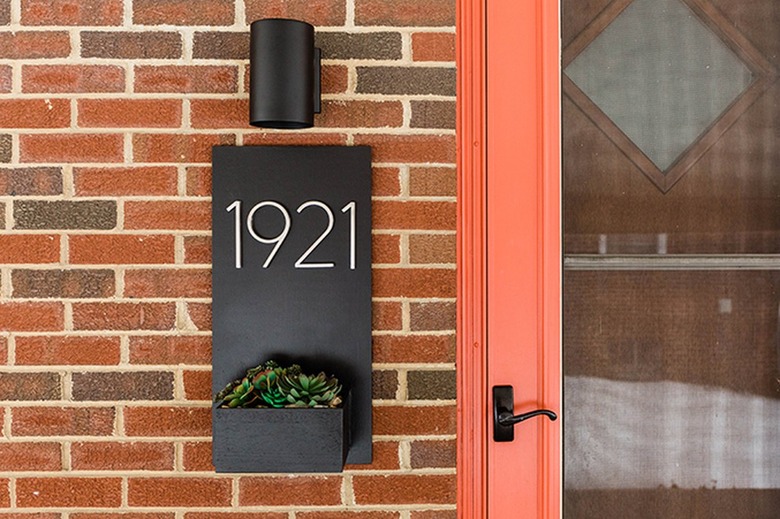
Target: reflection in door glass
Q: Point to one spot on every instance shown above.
(671, 170)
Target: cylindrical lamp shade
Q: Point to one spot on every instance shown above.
(284, 76)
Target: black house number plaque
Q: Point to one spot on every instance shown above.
(291, 254)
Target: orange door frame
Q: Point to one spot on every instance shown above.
(471, 357)
(540, 62)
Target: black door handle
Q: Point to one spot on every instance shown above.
(504, 418)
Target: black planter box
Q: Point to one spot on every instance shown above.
(281, 440)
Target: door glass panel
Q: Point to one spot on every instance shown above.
(670, 114)
(671, 172)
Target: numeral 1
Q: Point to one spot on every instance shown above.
(237, 236)
(351, 208)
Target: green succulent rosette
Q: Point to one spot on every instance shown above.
(270, 385)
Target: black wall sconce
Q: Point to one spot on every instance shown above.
(284, 74)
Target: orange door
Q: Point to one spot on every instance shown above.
(510, 258)
(523, 254)
(667, 117)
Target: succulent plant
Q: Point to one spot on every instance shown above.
(270, 385)
(267, 386)
(302, 390)
(245, 392)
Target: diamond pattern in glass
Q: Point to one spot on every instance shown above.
(661, 75)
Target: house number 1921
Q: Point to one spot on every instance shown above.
(278, 240)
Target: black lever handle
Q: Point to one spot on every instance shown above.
(503, 418)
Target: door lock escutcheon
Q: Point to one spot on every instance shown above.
(504, 419)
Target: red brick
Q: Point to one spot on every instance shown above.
(433, 182)
(38, 457)
(31, 317)
(412, 421)
(389, 214)
(34, 44)
(186, 79)
(386, 315)
(295, 139)
(405, 489)
(124, 515)
(219, 113)
(234, 515)
(168, 421)
(158, 147)
(385, 457)
(126, 181)
(33, 248)
(183, 12)
(386, 248)
(168, 283)
(3, 352)
(129, 113)
(168, 215)
(315, 12)
(394, 349)
(121, 249)
(124, 316)
(197, 457)
(71, 147)
(53, 351)
(366, 114)
(386, 181)
(435, 514)
(347, 515)
(414, 348)
(413, 13)
(200, 315)
(179, 349)
(68, 492)
(433, 46)
(432, 282)
(334, 79)
(198, 181)
(5, 493)
(183, 492)
(34, 113)
(62, 421)
(290, 490)
(72, 78)
(32, 515)
(410, 148)
(72, 12)
(197, 385)
(6, 78)
(122, 456)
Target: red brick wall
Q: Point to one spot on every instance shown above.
(108, 111)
